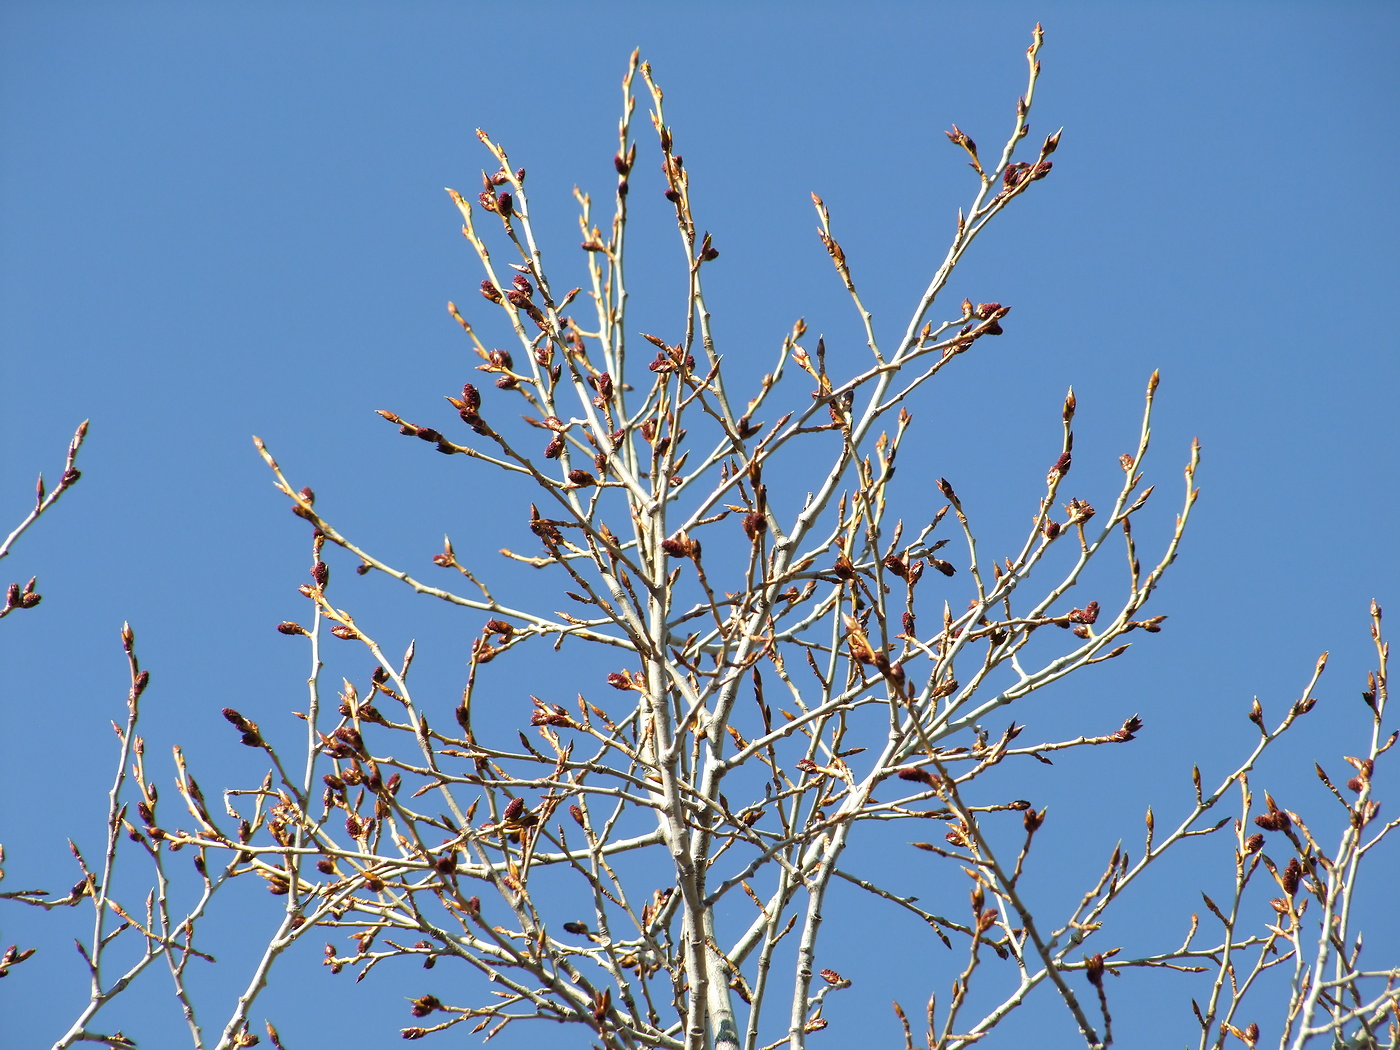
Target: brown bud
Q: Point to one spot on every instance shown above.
(490, 291)
(1078, 511)
(908, 622)
(1256, 713)
(321, 573)
(1292, 875)
(581, 478)
(916, 774)
(1088, 614)
(552, 716)
(1094, 970)
(946, 568)
(1130, 729)
(947, 490)
(958, 137)
(342, 631)
(577, 813)
(514, 808)
(425, 1005)
(504, 205)
(755, 525)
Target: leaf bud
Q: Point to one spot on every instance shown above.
(1292, 875)
(755, 525)
(1094, 970)
(1130, 729)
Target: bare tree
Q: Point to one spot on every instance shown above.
(780, 687)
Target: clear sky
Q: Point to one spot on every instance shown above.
(220, 220)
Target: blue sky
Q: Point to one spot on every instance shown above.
(226, 220)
